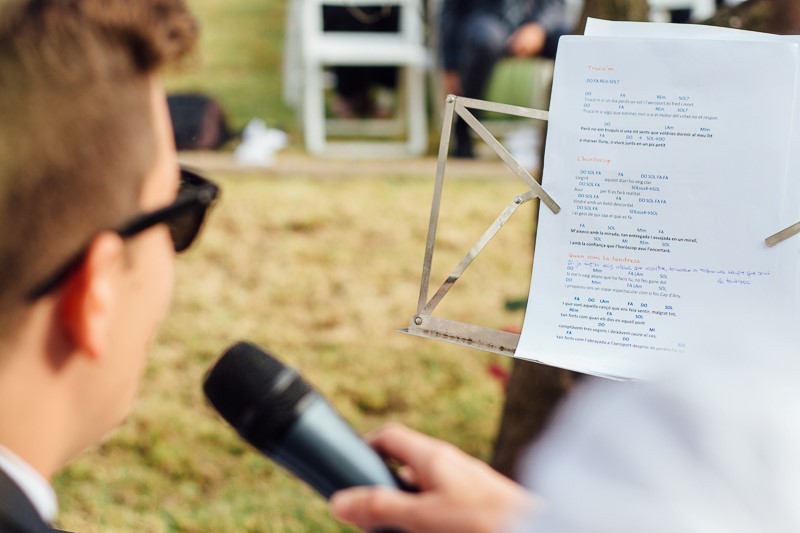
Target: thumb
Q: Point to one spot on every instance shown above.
(371, 507)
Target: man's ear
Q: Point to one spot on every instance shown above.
(88, 296)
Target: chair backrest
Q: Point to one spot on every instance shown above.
(410, 29)
(700, 9)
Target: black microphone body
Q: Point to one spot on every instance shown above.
(276, 411)
(322, 450)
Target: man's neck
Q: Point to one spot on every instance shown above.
(36, 425)
(28, 428)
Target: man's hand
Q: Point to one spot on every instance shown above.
(457, 492)
(451, 82)
(527, 41)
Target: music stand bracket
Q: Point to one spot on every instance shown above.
(422, 324)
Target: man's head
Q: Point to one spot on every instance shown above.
(77, 130)
(85, 147)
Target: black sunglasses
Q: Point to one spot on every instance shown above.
(184, 218)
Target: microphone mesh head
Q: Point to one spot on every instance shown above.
(256, 393)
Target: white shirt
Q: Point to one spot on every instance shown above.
(713, 448)
(31, 482)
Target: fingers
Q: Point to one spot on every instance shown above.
(413, 449)
(408, 476)
(458, 492)
(373, 507)
(471, 508)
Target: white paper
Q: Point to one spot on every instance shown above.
(660, 30)
(671, 161)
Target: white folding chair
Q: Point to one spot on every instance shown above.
(292, 68)
(404, 49)
(700, 9)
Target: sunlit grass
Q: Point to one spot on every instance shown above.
(239, 60)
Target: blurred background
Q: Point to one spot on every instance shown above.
(317, 257)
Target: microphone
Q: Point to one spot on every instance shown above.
(273, 408)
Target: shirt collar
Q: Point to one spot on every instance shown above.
(31, 482)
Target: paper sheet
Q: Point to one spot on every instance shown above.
(671, 159)
(662, 30)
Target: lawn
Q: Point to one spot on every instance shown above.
(321, 271)
(239, 60)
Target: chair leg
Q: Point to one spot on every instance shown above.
(314, 110)
(417, 123)
(314, 121)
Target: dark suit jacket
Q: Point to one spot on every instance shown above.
(17, 513)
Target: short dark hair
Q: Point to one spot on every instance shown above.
(76, 127)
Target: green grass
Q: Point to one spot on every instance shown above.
(322, 272)
(239, 60)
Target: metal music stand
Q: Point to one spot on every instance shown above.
(422, 323)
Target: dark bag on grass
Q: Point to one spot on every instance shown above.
(199, 122)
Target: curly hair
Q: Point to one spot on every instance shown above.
(76, 131)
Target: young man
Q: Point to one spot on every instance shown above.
(93, 210)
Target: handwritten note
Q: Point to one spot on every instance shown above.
(671, 159)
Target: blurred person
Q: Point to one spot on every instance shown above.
(94, 209)
(358, 89)
(476, 34)
(710, 447)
